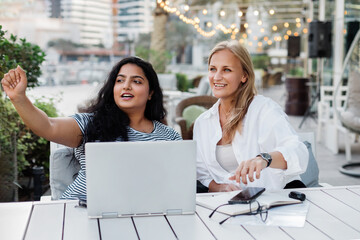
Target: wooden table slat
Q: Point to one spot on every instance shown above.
(355, 190)
(336, 208)
(117, 228)
(329, 225)
(14, 219)
(77, 225)
(262, 232)
(226, 231)
(153, 227)
(306, 232)
(46, 222)
(346, 196)
(189, 227)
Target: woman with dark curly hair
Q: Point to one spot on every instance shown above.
(129, 107)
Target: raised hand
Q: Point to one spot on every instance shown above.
(14, 83)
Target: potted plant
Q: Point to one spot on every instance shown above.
(16, 140)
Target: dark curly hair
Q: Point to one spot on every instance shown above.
(109, 121)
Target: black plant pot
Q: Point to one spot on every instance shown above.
(297, 100)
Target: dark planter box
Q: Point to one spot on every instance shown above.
(297, 96)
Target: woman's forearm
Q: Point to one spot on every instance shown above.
(278, 160)
(60, 130)
(33, 117)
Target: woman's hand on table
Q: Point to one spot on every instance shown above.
(223, 187)
(248, 168)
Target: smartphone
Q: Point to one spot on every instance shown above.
(247, 195)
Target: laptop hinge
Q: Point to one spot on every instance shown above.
(174, 211)
(109, 214)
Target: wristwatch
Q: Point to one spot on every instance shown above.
(266, 157)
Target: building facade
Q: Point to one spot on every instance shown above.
(93, 18)
(133, 17)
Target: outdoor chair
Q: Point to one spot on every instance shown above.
(203, 87)
(188, 110)
(326, 115)
(349, 116)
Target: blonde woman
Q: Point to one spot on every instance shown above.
(245, 139)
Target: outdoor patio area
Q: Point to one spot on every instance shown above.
(328, 162)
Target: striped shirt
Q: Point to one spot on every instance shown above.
(77, 189)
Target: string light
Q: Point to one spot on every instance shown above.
(232, 29)
(195, 22)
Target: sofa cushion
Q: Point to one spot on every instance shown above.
(63, 170)
(311, 176)
(191, 113)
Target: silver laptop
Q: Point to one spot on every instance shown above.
(140, 178)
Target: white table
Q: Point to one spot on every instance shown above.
(334, 213)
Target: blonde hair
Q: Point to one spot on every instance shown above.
(245, 92)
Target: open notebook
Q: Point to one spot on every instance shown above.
(268, 199)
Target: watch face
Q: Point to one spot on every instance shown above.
(266, 156)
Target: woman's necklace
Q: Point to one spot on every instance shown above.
(224, 116)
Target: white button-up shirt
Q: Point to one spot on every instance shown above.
(265, 129)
